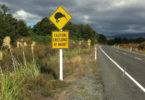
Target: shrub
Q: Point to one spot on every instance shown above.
(42, 39)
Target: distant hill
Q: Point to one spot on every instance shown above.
(126, 35)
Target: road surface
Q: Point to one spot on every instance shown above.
(122, 73)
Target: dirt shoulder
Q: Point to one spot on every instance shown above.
(85, 83)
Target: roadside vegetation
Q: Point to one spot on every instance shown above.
(136, 44)
(29, 67)
(135, 47)
(27, 71)
(85, 83)
(132, 44)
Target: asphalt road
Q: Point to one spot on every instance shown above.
(122, 73)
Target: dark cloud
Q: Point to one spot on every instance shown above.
(105, 16)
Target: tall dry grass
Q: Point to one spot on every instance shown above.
(135, 47)
(12, 82)
(35, 68)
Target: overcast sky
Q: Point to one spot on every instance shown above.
(105, 16)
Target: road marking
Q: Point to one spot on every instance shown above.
(129, 76)
(138, 58)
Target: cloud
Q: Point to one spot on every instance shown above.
(105, 16)
(23, 15)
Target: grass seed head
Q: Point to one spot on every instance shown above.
(80, 42)
(7, 41)
(1, 55)
(33, 44)
(25, 44)
(18, 44)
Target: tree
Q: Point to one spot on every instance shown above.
(44, 27)
(5, 9)
(102, 38)
(9, 26)
(81, 32)
(76, 32)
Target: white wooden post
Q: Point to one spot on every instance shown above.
(95, 53)
(131, 49)
(61, 63)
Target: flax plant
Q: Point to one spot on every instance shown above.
(10, 87)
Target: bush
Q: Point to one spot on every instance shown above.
(42, 39)
(142, 46)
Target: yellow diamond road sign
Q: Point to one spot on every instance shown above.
(89, 42)
(60, 39)
(60, 17)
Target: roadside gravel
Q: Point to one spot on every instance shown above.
(87, 88)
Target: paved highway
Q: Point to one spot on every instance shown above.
(122, 73)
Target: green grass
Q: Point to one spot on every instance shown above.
(42, 39)
(10, 87)
(12, 83)
(74, 52)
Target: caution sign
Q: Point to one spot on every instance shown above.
(60, 17)
(89, 42)
(60, 39)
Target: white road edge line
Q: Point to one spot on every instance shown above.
(129, 76)
(138, 58)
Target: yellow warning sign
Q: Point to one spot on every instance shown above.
(60, 17)
(89, 42)
(60, 39)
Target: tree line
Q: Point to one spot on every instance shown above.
(10, 26)
(76, 32)
(119, 40)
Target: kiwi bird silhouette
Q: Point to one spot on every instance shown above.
(59, 15)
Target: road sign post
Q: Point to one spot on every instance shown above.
(61, 64)
(60, 38)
